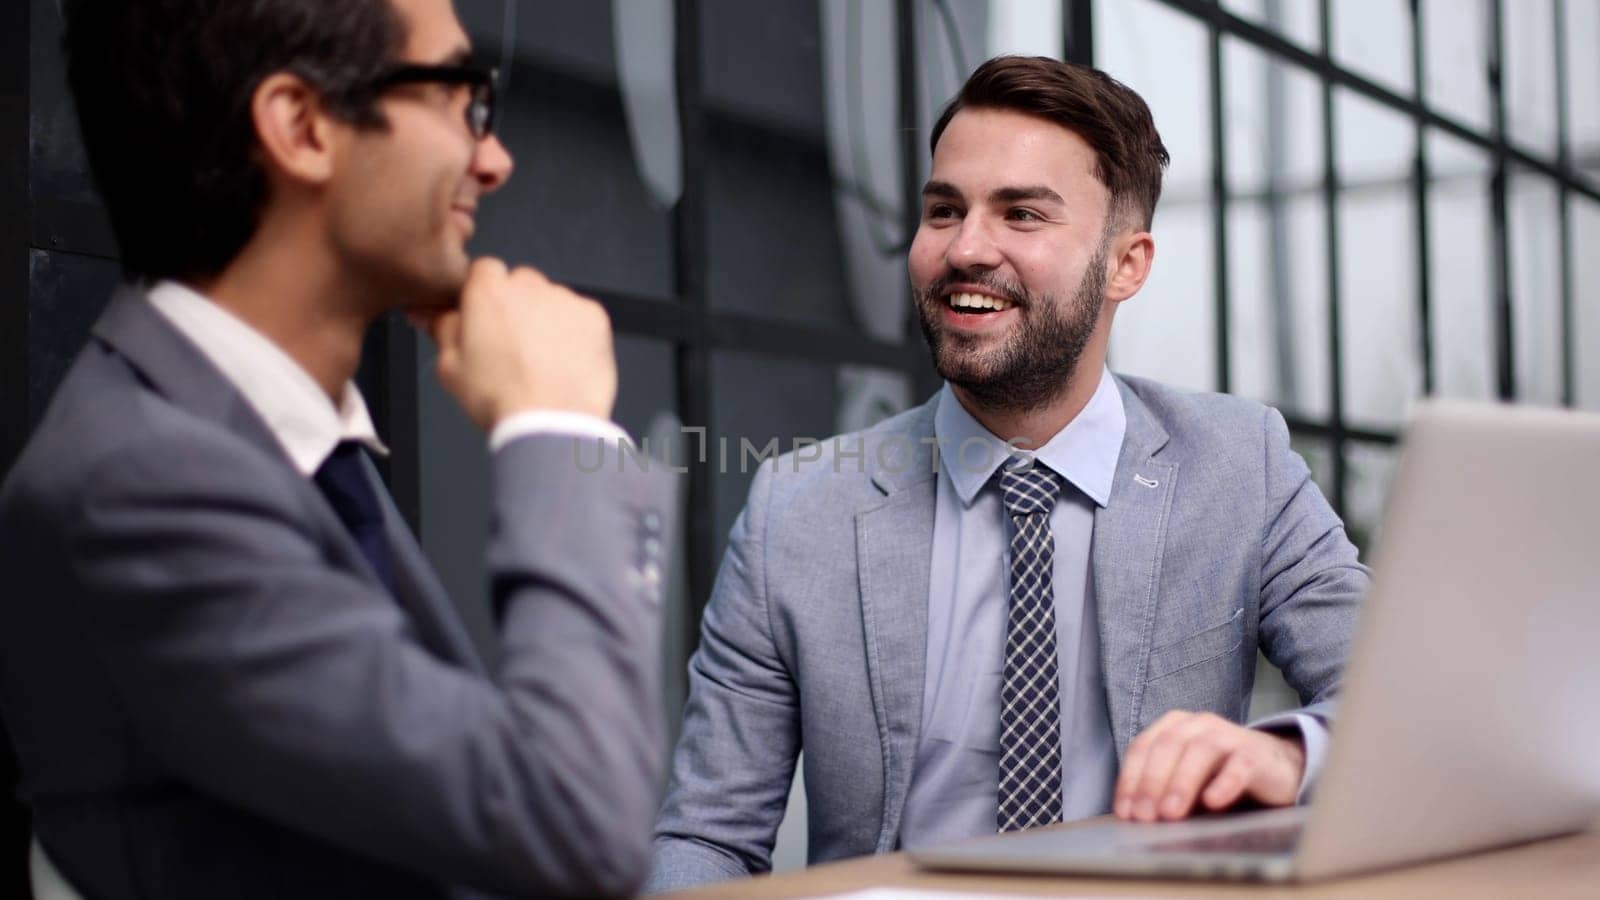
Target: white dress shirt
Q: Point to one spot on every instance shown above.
(304, 420)
(954, 787)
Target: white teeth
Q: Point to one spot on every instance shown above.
(978, 301)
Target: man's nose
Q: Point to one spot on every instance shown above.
(492, 164)
(973, 246)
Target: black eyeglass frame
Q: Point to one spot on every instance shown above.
(484, 83)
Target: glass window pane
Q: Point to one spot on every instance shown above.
(1580, 29)
(1585, 236)
(1381, 368)
(1456, 36)
(1277, 233)
(758, 399)
(1373, 39)
(954, 38)
(1278, 276)
(1369, 470)
(1318, 454)
(587, 203)
(1028, 27)
(1529, 31)
(1273, 124)
(1297, 20)
(1461, 268)
(58, 169)
(1535, 233)
(805, 207)
(1168, 330)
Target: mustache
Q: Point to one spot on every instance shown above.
(987, 281)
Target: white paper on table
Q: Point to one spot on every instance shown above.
(911, 894)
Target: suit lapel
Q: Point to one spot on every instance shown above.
(181, 373)
(893, 543)
(1129, 535)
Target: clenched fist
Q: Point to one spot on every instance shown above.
(519, 342)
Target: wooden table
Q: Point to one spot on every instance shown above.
(1561, 868)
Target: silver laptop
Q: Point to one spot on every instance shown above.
(1470, 712)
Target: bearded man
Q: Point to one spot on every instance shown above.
(1039, 596)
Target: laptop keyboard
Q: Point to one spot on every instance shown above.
(1275, 839)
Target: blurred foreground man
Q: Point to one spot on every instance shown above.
(965, 638)
(226, 666)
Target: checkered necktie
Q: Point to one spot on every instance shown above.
(1030, 707)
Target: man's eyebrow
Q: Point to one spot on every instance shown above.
(1026, 192)
(942, 189)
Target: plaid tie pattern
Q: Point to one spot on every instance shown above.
(1030, 707)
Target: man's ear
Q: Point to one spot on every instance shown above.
(1132, 254)
(293, 128)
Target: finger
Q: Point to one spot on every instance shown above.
(1134, 760)
(1158, 768)
(486, 267)
(446, 329)
(482, 281)
(530, 275)
(1202, 757)
(1230, 782)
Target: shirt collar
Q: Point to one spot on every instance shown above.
(285, 396)
(1084, 452)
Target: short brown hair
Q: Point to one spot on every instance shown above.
(1106, 113)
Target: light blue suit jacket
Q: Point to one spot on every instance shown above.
(1214, 541)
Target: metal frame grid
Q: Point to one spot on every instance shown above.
(1335, 431)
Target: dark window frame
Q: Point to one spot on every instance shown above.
(1334, 430)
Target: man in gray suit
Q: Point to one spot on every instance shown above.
(964, 638)
(226, 667)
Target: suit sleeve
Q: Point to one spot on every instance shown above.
(735, 760)
(261, 675)
(1311, 580)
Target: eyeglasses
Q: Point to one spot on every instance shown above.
(482, 82)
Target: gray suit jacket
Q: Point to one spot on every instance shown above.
(211, 695)
(1214, 541)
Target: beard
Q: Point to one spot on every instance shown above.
(1034, 363)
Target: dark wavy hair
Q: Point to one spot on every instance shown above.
(1106, 113)
(163, 91)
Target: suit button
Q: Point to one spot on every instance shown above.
(652, 522)
(651, 573)
(652, 548)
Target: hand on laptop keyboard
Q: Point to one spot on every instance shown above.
(1186, 759)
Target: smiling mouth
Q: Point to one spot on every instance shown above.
(977, 304)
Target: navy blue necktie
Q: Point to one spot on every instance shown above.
(1030, 703)
(343, 480)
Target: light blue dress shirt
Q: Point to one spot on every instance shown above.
(955, 784)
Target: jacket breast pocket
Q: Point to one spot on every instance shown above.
(1201, 647)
